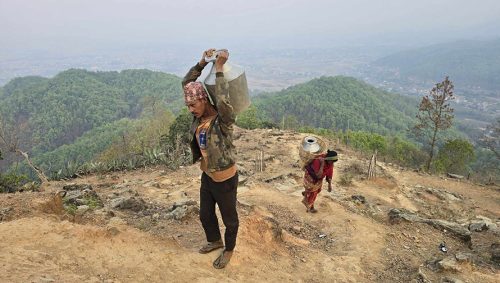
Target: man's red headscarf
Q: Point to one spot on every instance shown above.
(194, 91)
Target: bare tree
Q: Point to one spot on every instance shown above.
(491, 138)
(435, 114)
(10, 141)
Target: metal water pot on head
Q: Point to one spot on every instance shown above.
(237, 81)
(311, 147)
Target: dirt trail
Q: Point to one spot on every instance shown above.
(348, 240)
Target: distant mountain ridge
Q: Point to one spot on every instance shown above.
(469, 63)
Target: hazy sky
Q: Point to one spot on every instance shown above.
(102, 23)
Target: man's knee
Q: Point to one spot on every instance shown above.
(205, 216)
(232, 225)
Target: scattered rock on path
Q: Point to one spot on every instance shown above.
(478, 227)
(77, 187)
(358, 198)
(132, 203)
(179, 211)
(464, 257)
(449, 264)
(396, 215)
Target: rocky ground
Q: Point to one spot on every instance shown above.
(143, 226)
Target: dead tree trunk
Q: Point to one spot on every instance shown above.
(38, 172)
(372, 172)
(11, 142)
(259, 161)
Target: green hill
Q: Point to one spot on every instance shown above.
(84, 148)
(76, 115)
(48, 113)
(340, 103)
(468, 63)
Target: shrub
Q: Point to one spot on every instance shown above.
(11, 182)
(356, 168)
(454, 156)
(346, 179)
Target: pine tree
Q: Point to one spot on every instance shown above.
(435, 114)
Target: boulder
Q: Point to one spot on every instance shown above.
(396, 215)
(132, 203)
(464, 257)
(449, 264)
(455, 228)
(482, 223)
(478, 227)
(444, 195)
(80, 197)
(181, 212)
(189, 202)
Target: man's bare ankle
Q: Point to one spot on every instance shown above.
(227, 254)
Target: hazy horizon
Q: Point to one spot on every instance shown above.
(43, 37)
(41, 24)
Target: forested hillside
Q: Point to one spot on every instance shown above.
(469, 63)
(339, 103)
(46, 115)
